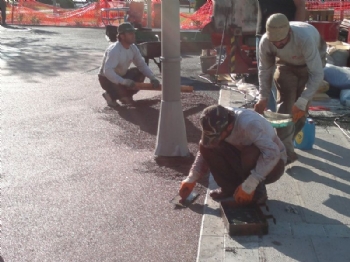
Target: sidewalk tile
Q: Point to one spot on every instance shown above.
(305, 230)
(283, 249)
(247, 242)
(322, 195)
(280, 228)
(332, 249)
(338, 230)
(242, 255)
(211, 249)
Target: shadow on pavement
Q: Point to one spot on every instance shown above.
(335, 153)
(325, 167)
(339, 204)
(33, 56)
(307, 175)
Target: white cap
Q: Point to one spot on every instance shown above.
(277, 27)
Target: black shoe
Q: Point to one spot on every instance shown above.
(292, 157)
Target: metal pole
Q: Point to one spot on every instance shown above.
(171, 136)
(149, 12)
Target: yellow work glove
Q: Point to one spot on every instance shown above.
(243, 198)
(186, 189)
(297, 113)
(260, 106)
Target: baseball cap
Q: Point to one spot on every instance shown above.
(214, 119)
(277, 27)
(125, 28)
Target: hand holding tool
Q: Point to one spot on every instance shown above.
(129, 83)
(186, 189)
(155, 83)
(243, 198)
(297, 113)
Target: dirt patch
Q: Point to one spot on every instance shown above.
(140, 123)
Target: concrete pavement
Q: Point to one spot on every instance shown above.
(311, 203)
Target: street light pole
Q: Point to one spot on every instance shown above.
(171, 135)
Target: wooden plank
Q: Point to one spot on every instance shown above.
(149, 86)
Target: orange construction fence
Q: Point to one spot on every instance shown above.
(98, 14)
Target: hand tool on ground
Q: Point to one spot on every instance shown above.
(149, 86)
(183, 203)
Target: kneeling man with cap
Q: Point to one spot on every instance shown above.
(115, 76)
(242, 151)
(299, 52)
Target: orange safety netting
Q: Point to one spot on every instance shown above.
(341, 8)
(99, 14)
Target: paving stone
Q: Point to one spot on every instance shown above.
(305, 230)
(280, 228)
(241, 242)
(322, 195)
(337, 230)
(213, 225)
(282, 193)
(284, 248)
(211, 249)
(311, 159)
(332, 249)
(242, 255)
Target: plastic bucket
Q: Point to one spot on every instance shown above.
(305, 139)
(207, 62)
(328, 30)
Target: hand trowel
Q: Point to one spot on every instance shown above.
(179, 202)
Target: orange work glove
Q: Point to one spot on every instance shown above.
(297, 113)
(260, 106)
(242, 197)
(186, 189)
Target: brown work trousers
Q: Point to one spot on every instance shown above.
(230, 166)
(290, 82)
(116, 91)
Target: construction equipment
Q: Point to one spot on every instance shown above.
(233, 25)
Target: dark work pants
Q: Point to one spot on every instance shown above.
(230, 166)
(117, 91)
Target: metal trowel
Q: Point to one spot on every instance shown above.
(178, 202)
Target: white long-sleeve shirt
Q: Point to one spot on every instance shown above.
(306, 47)
(250, 128)
(117, 59)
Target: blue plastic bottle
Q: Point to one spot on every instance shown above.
(305, 139)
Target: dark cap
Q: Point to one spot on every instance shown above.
(125, 28)
(214, 120)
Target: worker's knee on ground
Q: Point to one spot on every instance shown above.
(275, 173)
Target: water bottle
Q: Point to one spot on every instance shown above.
(305, 139)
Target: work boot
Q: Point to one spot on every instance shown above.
(109, 100)
(292, 157)
(260, 195)
(127, 100)
(219, 193)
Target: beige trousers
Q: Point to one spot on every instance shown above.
(290, 82)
